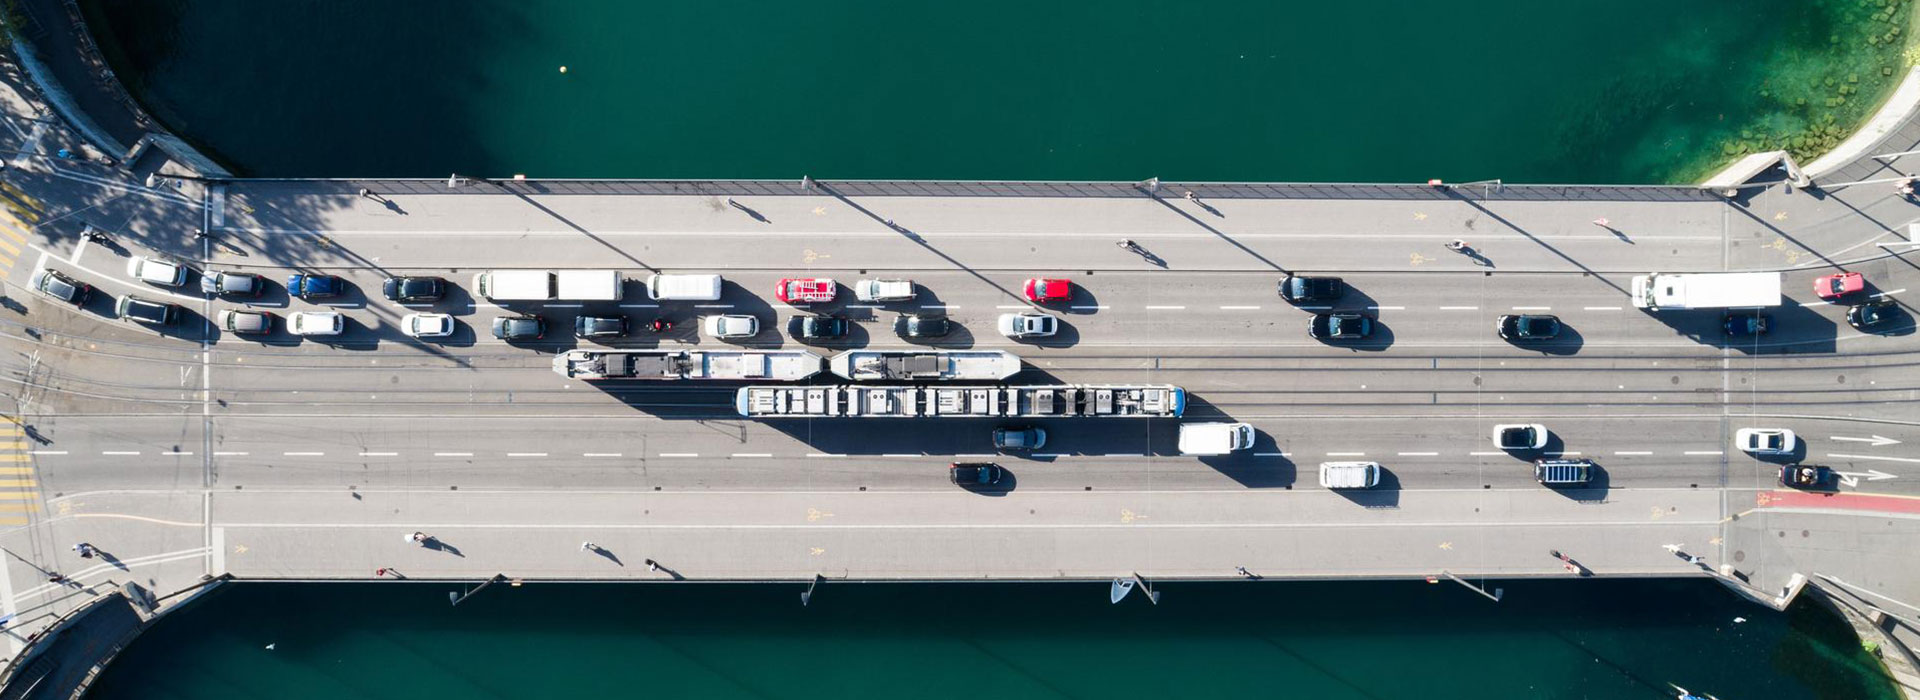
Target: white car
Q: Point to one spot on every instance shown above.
(1766, 441)
(165, 273)
(1028, 325)
(316, 323)
(883, 290)
(1520, 436)
(730, 326)
(427, 325)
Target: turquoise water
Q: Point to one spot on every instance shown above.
(1325, 641)
(1617, 91)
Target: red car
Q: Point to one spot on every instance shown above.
(1045, 290)
(1836, 286)
(813, 290)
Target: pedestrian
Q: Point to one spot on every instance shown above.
(1127, 243)
(589, 547)
(1243, 570)
(1602, 222)
(1191, 197)
(1457, 244)
(85, 549)
(1696, 560)
(380, 572)
(653, 565)
(419, 538)
(1905, 188)
(367, 193)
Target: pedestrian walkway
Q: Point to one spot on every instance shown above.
(19, 487)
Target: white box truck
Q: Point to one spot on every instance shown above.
(684, 287)
(514, 285)
(588, 285)
(1714, 290)
(1214, 438)
(1349, 475)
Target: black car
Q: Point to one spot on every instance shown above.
(1871, 315)
(1806, 476)
(600, 327)
(519, 327)
(239, 284)
(1528, 326)
(156, 313)
(414, 288)
(968, 474)
(59, 286)
(1340, 326)
(922, 326)
(817, 327)
(1303, 289)
(1741, 325)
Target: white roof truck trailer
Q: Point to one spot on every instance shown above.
(514, 285)
(1214, 438)
(589, 285)
(1713, 290)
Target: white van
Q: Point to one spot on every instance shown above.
(1349, 475)
(684, 287)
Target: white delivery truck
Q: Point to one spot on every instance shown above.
(1349, 475)
(589, 285)
(1712, 290)
(1214, 438)
(700, 287)
(514, 285)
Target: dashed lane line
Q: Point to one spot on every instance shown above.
(229, 454)
(1631, 453)
(1091, 306)
(679, 454)
(121, 454)
(1387, 308)
(1346, 454)
(177, 454)
(752, 454)
(1888, 294)
(48, 452)
(600, 454)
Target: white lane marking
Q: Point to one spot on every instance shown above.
(563, 306)
(453, 454)
(639, 306)
(1010, 307)
(303, 454)
(823, 454)
(1888, 294)
(713, 306)
(178, 454)
(1908, 460)
(1388, 308)
(415, 306)
(1239, 308)
(1568, 453)
(1315, 308)
(121, 454)
(1459, 308)
(229, 454)
(1419, 454)
(1485, 454)
(1165, 308)
(600, 454)
(1703, 452)
(1630, 453)
(753, 454)
(1602, 308)
(1533, 308)
(1272, 454)
(1090, 306)
(679, 454)
(1048, 455)
(1346, 454)
(483, 306)
(863, 306)
(899, 455)
(47, 452)
(343, 305)
(976, 456)
(526, 454)
(379, 454)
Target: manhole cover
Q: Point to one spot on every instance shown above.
(1739, 555)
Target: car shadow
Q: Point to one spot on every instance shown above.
(1379, 340)
(1568, 342)
(1083, 302)
(857, 334)
(958, 337)
(1386, 494)
(1008, 482)
(1065, 335)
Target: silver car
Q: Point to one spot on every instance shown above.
(1028, 325)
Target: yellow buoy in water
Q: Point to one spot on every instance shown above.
(563, 69)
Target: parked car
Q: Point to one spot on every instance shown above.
(238, 284)
(1807, 476)
(1523, 327)
(427, 325)
(915, 326)
(1520, 436)
(58, 285)
(521, 327)
(316, 323)
(1043, 290)
(1836, 286)
(1745, 324)
(817, 327)
(883, 290)
(1299, 290)
(600, 327)
(405, 289)
(246, 321)
(732, 326)
(974, 474)
(1020, 438)
(1872, 316)
(1344, 325)
(1028, 325)
(310, 286)
(165, 273)
(1766, 441)
(810, 290)
(155, 313)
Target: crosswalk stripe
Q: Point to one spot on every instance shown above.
(15, 458)
(18, 483)
(27, 507)
(9, 247)
(16, 471)
(16, 445)
(11, 234)
(19, 496)
(15, 521)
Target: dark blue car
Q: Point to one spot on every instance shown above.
(308, 286)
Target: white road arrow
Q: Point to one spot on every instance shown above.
(1853, 478)
(1876, 440)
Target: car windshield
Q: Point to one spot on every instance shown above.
(1772, 441)
(1519, 436)
(1837, 284)
(59, 287)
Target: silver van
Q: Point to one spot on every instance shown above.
(1349, 475)
(1563, 472)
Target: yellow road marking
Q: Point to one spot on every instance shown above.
(15, 521)
(6, 261)
(15, 458)
(10, 233)
(18, 483)
(9, 247)
(16, 471)
(30, 507)
(22, 195)
(16, 445)
(19, 496)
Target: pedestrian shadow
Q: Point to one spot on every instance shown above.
(111, 559)
(1148, 256)
(393, 206)
(608, 553)
(435, 544)
(749, 211)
